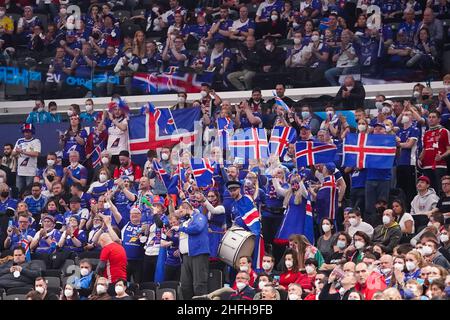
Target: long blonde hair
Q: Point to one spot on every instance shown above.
(297, 194)
(138, 47)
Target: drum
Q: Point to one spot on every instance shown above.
(236, 243)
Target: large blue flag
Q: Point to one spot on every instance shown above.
(161, 128)
(309, 153)
(369, 150)
(203, 171)
(162, 173)
(280, 138)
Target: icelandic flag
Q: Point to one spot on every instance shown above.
(247, 216)
(280, 138)
(250, 144)
(96, 154)
(369, 150)
(25, 243)
(280, 102)
(174, 187)
(162, 173)
(203, 171)
(309, 153)
(155, 129)
(225, 127)
(309, 221)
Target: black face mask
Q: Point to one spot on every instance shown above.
(425, 97)
(5, 194)
(187, 216)
(381, 210)
(50, 178)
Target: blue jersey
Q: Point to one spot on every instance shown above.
(171, 260)
(35, 206)
(390, 6)
(265, 9)
(407, 157)
(196, 30)
(79, 172)
(410, 30)
(379, 174)
(245, 123)
(58, 169)
(273, 200)
(130, 240)
(43, 247)
(152, 64)
(358, 179)
(9, 203)
(98, 189)
(367, 49)
(173, 62)
(224, 26)
(69, 245)
(82, 214)
(71, 144)
(21, 239)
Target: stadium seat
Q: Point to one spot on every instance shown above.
(40, 263)
(53, 282)
(420, 220)
(122, 14)
(55, 290)
(66, 265)
(215, 280)
(70, 270)
(15, 297)
(89, 255)
(148, 294)
(55, 273)
(44, 20)
(20, 290)
(138, 12)
(160, 292)
(149, 286)
(94, 262)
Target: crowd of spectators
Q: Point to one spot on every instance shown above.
(126, 232)
(246, 44)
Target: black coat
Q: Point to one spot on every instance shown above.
(30, 271)
(356, 98)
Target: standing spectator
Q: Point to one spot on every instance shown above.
(377, 184)
(74, 139)
(27, 149)
(113, 259)
(38, 115)
(127, 167)
(53, 117)
(436, 147)
(9, 161)
(118, 130)
(194, 247)
(426, 199)
(74, 172)
(89, 115)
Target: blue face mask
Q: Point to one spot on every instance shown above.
(447, 291)
(408, 294)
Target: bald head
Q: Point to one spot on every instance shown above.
(104, 240)
(428, 16)
(349, 267)
(348, 282)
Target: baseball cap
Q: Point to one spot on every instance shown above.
(124, 153)
(49, 217)
(306, 126)
(389, 102)
(330, 166)
(233, 184)
(424, 178)
(380, 124)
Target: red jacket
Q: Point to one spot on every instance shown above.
(306, 281)
(374, 283)
(288, 277)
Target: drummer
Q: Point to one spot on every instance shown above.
(245, 215)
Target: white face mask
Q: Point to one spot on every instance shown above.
(388, 128)
(326, 227)
(362, 127)
(385, 271)
(89, 107)
(203, 93)
(266, 265)
(443, 238)
(202, 49)
(40, 109)
(427, 250)
(155, 9)
(84, 271)
(68, 293)
(295, 25)
(353, 221)
(262, 284)
(181, 99)
(40, 289)
(50, 163)
(102, 178)
(379, 105)
(416, 94)
(349, 88)
(288, 264)
(101, 289)
(410, 266)
(105, 160)
(342, 291)
(16, 274)
(293, 296)
(69, 113)
(243, 268)
(386, 220)
(309, 269)
(405, 119)
(106, 205)
(274, 17)
(164, 156)
(240, 285)
(268, 47)
(119, 289)
(297, 41)
(315, 38)
(341, 244)
(129, 55)
(330, 113)
(359, 245)
(2, 13)
(399, 266)
(386, 110)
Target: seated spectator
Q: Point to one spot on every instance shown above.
(269, 292)
(106, 64)
(125, 67)
(85, 282)
(120, 288)
(69, 293)
(175, 53)
(245, 265)
(345, 58)
(298, 55)
(244, 290)
(306, 280)
(275, 27)
(404, 219)
(290, 269)
(249, 61)
(434, 25)
(351, 95)
(21, 236)
(390, 9)
(45, 241)
(175, 29)
(219, 61)
(73, 238)
(243, 27)
(127, 167)
(399, 51)
(368, 282)
(220, 29)
(151, 61)
(40, 285)
(167, 295)
(295, 292)
(272, 57)
(26, 24)
(424, 53)
(357, 224)
(100, 291)
(18, 272)
(432, 255)
(389, 233)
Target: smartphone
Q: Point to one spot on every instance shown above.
(276, 279)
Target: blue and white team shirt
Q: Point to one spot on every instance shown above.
(358, 178)
(242, 26)
(82, 214)
(35, 206)
(131, 241)
(72, 145)
(168, 17)
(26, 165)
(78, 172)
(98, 188)
(407, 157)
